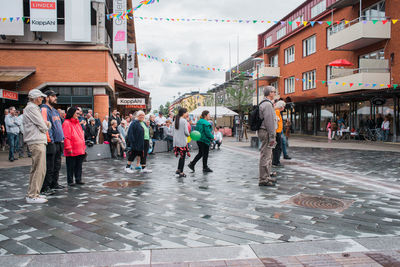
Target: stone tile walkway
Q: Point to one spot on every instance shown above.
(203, 211)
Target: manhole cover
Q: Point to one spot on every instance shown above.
(123, 184)
(319, 202)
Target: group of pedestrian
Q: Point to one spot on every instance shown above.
(272, 137)
(48, 135)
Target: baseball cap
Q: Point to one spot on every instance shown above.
(35, 93)
(51, 92)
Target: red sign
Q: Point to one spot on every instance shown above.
(136, 106)
(8, 94)
(43, 5)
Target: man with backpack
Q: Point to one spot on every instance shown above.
(263, 120)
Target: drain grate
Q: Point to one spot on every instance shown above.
(319, 202)
(123, 184)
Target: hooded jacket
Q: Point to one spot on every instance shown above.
(205, 129)
(74, 138)
(35, 128)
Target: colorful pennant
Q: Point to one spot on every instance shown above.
(124, 14)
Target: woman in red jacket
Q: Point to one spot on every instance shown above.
(74, 146)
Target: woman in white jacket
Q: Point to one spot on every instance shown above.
(181, 133)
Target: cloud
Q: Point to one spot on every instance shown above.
(199, 43)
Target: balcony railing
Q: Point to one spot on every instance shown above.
(337, 27)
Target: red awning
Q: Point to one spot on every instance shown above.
(130, 87)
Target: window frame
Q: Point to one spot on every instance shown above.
(266, 43)
(307, 76)
(318, 8)
(306, 45)
(290, 81)
(288, 55)
(278, 33)
(294, 23)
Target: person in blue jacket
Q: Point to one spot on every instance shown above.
(135, 140)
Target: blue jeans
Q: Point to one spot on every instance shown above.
(284, 145)
(13, 143)
(385, 135)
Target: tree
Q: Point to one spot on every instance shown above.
(161, 109)
(240, 98)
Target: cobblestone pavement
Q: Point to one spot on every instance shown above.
(224, 208)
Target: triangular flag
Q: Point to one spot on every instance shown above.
(213, 69)
(364, 21)
(337, 83)
(389, 86)
(384, 21)
(367, 84)
(395, 86)
(4, 19)
(268, 21)
(329, 23)
(374, 21)
(323, 82)
(305, 23)
(374, 85)
(298, 23)
(351, 84)
(276, 22)
(338, 22)
(382, 85)
(297, 79)
(359, 84)
(290, 23)
(320, 22)
(11, 19)
(283, 23)
(394, 21)
(312, 23)
(254, 21)
(304, 80)
(343, 84)
(346, 22)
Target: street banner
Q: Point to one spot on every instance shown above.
(43, 15)
(77, 21)
(130, 65)
(119, 29)
(8, 95)
(131, 101)
(15, 10)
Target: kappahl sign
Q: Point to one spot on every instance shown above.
(131, 101)
(43, 15)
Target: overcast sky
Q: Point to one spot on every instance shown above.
(199, 43)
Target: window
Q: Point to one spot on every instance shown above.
(273, 61)
(309, 80)
(275, 84)
(289, 55)
(294, 24)
(318, 8)
(268, 41)
(376, 11)
(281, 33)
(309, 46)
(380, 54)
(337, 27)
(329, 72)
(289, 85)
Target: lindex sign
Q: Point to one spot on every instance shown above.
(43, 15)
(8, 94)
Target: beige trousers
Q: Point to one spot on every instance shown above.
(38, 169)
(265, 156)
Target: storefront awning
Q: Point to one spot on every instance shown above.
(131, 88)
(15, 74)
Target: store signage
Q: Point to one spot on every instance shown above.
(43, 15)
(378, 101)
(131, 101)
(8, 94)
(11, 9)
(130, 65)
(136, 106)
(120, 36)
(78, 26)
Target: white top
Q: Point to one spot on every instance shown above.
(105, 126)
(386, 125)
(218, 136)
(160, 121)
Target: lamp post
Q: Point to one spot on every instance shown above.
(215, 104)
(257, 60)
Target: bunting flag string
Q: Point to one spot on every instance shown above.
(125, 14)
(205, 68)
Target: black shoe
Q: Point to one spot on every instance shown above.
(191, 166)
(16, 158)
(80, 183)
(267, 183)
(71, 184)
(278, 165)
(12, 159)
(48, 192)
(287, 157)
(58, 187)
(177, 172)
(207, 170)
(181, 175)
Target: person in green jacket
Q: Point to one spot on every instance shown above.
(205, 129)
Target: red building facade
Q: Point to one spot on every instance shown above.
(297, 58)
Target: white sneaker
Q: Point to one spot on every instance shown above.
(43, 196)
(36, 200)
(147, 171)
(129, 170)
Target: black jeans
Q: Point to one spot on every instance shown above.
(53, 165)
(74, 168)
(203, 153)
(277, 151)
(181, 163)
(146, 150)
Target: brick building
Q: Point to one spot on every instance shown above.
(85, 73)
(296, 61)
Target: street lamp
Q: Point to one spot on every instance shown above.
(256, 61)
(215, 103)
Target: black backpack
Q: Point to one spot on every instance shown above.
(254, 120)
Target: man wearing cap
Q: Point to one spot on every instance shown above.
(55, 137)
(35, 129)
